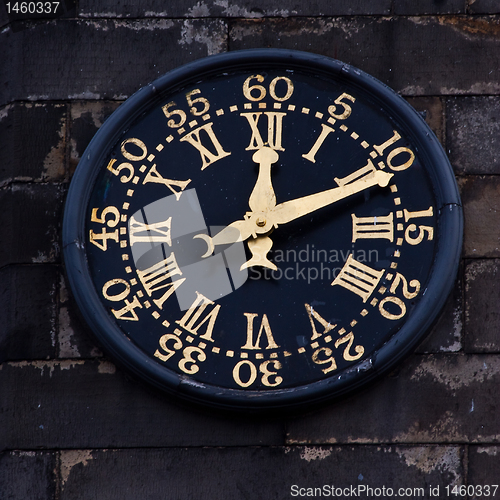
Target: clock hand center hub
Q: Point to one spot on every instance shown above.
(260, 222)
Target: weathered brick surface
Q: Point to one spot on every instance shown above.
(429, 7)
(74, 338)
(91, 404)
(28, 312)
(414, 56)
(473, 134)
(484, 467)
(32, 142)
(86, 119)
(275, 473)
(429, 399)
(484, 7)
(73, 426)
(100, 59)
(4, 18)
(27, 475)
(481, 202)
(30, 222)
(431, 109)
(482, 310)
(447, 333)
(229, 8)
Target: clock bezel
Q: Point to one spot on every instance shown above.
(119, 347)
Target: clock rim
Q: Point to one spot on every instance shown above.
(126, 354)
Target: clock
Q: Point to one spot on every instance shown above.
(262, 230)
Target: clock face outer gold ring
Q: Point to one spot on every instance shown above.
(326, 199)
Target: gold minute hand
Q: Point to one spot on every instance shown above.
(293, 209)
(263, 198)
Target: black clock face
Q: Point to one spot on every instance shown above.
(262, 229)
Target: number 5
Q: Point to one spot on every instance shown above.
(347, 109)
(181, 115)
(199, 100)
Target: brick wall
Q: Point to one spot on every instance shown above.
(72, 426)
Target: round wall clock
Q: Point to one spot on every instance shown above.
(262, 229)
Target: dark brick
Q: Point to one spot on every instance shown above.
(267, 473)
(446, 335)
(32, 142)
(74, 338)
(415, 56)
(482, 311)
(481, 202)
(4, 18)
(27, 312)
(30, 223)
(484, 7)
(102, 59)
(86, 119)
(473, 134)
(484, 468)
(409, 8)
(27, 475)
(431, 399)
(242, 8)
(90, 404)
(431, 109)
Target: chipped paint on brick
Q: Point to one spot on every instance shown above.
(243, 30)
(67, 348)
(492, 87)
(146, 24)
(320, 27)
(53, 165)
(4, 112)
(47, 366)
(472, 27)
(24, 453)
(314, 453)
(428, 459)
(53, 326)
(469, 27)
(98, 24)
(85, 95)
(213, 38)
(99, 14)
(106, 367)
(458, 373)
(444, 429)
(492, 451)
(86, 119)
(456, 346)
(91, 112)
(237, 11)
(70, 458)
(201, 9)
(413, 90)
(480, 268)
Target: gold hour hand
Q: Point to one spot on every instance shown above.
(263, 198)
(259, 248)
(237, 231)
(293, 209)
(261, 201)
